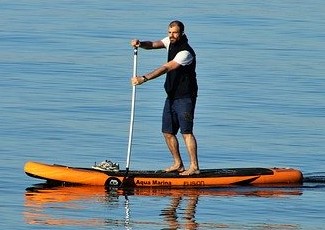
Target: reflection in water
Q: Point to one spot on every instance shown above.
(43, 204)
(64, 206)
(170, 212)
(127, 213)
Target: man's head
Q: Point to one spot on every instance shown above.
(175, 31)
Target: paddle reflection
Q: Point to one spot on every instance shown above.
(65, 206)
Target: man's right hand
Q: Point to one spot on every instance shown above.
(135, 43)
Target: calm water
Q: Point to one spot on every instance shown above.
(65, 98)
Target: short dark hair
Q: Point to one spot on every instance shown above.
(179, 24)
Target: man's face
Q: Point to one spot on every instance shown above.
(174, 34)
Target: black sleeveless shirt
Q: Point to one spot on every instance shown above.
(181, 82)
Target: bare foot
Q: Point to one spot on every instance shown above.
(190, 172)
(174, 168)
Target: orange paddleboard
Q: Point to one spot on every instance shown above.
(206, 178)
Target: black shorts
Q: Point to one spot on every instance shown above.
(178, 114)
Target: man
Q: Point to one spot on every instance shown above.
(181, 88)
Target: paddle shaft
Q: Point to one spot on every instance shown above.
(135, 61)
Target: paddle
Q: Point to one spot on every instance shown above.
(135, 56)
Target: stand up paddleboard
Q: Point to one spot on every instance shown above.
(128, 178)
(207, 177)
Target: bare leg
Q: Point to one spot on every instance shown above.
(191, 146)
(173, 146)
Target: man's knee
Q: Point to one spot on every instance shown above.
(168, 135)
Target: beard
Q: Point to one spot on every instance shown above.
(173, 40)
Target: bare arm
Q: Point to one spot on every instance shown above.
(169, 66)
(147, 44)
